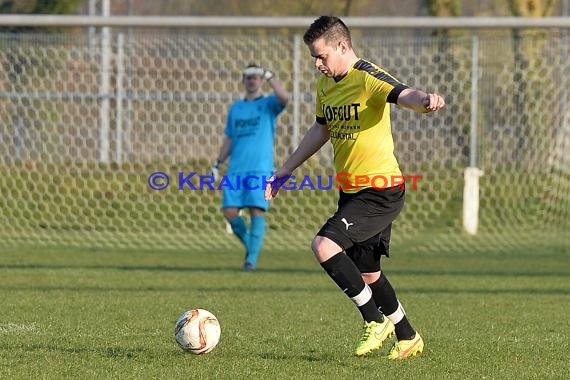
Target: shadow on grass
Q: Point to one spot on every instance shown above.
(109, 352)
(159, 268)
(481, 272)
(280, 289)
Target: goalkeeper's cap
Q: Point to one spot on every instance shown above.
(253, 69)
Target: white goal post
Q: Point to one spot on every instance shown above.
(87, 118)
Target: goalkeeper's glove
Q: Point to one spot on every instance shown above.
(268, 74)
(216, 170)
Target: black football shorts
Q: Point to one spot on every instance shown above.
(362, 225)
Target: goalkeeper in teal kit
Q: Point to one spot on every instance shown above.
(248, 142)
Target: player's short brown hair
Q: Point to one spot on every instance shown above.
(331, 28)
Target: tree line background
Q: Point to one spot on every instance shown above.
(409, 8)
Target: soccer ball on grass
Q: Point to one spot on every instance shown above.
(197, 331)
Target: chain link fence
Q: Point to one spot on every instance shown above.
(84, 121)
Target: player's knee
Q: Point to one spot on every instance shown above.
(324, 248)
(317, 245)
(230, 213)
(255, 211)
(370, 278)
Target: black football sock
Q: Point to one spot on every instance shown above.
(385, 297)
(347, 276)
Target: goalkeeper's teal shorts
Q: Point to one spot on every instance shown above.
(244, 190)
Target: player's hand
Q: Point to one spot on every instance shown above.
(274, 183)
(215, 172)
(433, 102)
(268, 74)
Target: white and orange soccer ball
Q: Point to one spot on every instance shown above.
(197, 331)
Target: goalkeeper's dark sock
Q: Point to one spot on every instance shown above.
(385, 297)
(346, 275)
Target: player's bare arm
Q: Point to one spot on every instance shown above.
(225, 149)
(420, 101)
(280, 91)
(315, 138)
(224, 153)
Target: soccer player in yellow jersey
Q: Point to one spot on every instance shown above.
(353, 112)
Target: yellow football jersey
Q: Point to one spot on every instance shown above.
(356, 111)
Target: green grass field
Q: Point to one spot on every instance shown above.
(70, 313)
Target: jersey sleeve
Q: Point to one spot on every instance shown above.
(383, 87)
(275, 105)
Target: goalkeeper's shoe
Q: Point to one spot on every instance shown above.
(248, 267)
(406, 348)
(375, 333)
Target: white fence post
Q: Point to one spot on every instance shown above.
(296, 90)
(472, 173)
(471, 200)
(119, 98)
(104, 89)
